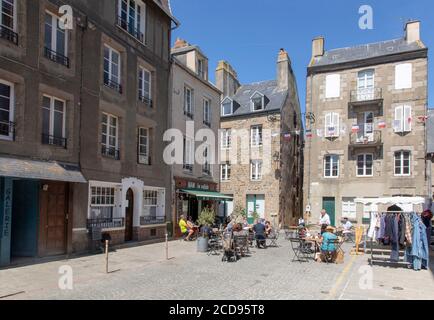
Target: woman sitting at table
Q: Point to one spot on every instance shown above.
(328, 248)
(268, 228)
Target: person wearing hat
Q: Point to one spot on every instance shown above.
(327, 237)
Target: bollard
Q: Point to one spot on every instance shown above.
(167, 246)
(106, 255)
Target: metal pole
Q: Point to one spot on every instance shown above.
(167, 246)
(106, 255)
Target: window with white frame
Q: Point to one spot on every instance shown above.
(145, 88)
(8, 14)
(56, 40)
(403, 119)
(226, 138)
(150, 202)
(7, 110)
(331, 166)
(403, 76)
(143, 147)
(53, 121)
(188, 102)
(206, 168)
(365, 85)
(227, 107)
(132, 18)
(188, 154)
(365, 165)
(109, 135)
(331, 125)
(112, 68)
(207, 111)
(257, 101)
(256, 170)
(333, 86)
(402, 163)
(349, 208)
(225, 171)
(102, 202)
(256, 136)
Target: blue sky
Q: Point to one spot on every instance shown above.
(249, 33)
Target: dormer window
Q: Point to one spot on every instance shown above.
(257, 101)
(227, 107)
(201, 68)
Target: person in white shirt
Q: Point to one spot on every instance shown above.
(347, 225)
(324, 218)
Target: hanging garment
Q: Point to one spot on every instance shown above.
(372, 226)
(418, 253)
(407, 230)
(426, 219)
(381, 231)
(394, 239)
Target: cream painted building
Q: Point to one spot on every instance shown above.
(195, 106)
(365, 106)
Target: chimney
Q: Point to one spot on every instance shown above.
(318, 47)
(226, 79)
(283, 70)
(412, 31)
(180, 43)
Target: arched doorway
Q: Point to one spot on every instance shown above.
(129, 215)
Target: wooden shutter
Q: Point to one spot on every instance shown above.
(407, 120)
(398, 124)
(336, 124)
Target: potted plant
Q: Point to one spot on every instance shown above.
(205, 221)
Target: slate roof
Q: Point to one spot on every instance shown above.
(430, 131)
(366, 51)
(275, 97)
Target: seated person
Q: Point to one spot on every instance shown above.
(346, 226)
(185, 230)
(326, 246)
(206, 231)
(259, 230)
(268, 228)
(301, 222)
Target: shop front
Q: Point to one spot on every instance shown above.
(192, 196)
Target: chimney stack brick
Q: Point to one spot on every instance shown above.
(412, 31)
(318, 47)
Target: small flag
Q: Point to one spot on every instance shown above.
(355, 128)
(382, 124)
(309, 133)
(287, 136)
(422, 118)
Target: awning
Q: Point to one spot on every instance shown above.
(392, 200)
(204, 195)
(40, 170)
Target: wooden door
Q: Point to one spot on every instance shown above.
(129, 214)
(53, 218)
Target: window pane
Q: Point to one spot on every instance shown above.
(45, 121)
(48, 31)
(58, 125)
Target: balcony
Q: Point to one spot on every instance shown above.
(9, 35)
(113, 85)
(105, 223)
(144, 159)
(146, 100)
(54, 141)
(56, 57)
(7, 129)
(110, 152)
(362, 140)
(367, 96)
(188, 114)
(188, 167)
(152, 219)
(207, 123)
(130, 28)
(206, 171)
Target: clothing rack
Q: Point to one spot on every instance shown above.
(372, 242)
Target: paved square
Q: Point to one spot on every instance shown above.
(144, 273)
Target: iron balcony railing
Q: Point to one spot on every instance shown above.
(7, 128)
(56, 57)
(54, 141)
(366, 94)
(144, 159)
(188, 114)
(130, 28)
(110, 152)
(148, 220)
(207, 123)
(113, 85)
(8, 34)
(105, 223)
(188, 167)
(206, 171)
(146, 100)
(368, 139)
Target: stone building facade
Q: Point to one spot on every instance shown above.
(195, 107)
(364, 108)
(83, 110)
(261, 144)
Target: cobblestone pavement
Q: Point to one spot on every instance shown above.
(144, 273)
